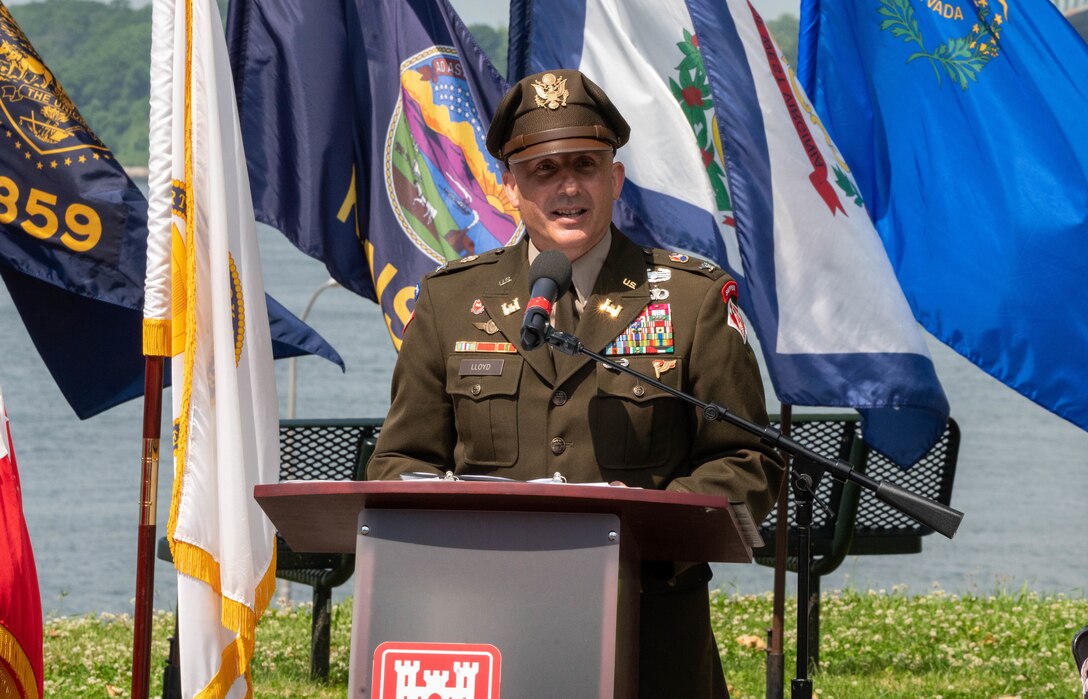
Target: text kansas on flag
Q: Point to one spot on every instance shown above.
(364, 141)
(728, 160)
(965, 124)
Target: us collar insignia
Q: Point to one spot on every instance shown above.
(629, 284)
(489, 327)
(508, 308)
(662, 366)
(506, 281)
(610, 308)
(477, 307)
(551, 91)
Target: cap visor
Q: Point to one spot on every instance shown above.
(562, 145)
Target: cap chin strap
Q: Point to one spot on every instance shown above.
(595, 132)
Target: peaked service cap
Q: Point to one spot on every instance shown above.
(557, 111)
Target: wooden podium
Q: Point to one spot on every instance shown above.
(532, 586)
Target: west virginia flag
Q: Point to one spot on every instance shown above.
(205, 308)
(728, 160)
(21, 671)
(964, 123)
(364, 123)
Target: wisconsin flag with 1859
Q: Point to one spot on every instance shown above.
(205, 308)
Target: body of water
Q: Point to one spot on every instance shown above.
(1022, 476)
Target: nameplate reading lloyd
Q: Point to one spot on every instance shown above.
(481, 367)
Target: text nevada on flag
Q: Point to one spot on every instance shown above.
(365, 141)
(964, 122)
(205, 308)
(728, 160)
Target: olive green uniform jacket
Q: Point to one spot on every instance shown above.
(512, 413)
(459, 405)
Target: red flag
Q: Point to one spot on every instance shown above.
(20, 602)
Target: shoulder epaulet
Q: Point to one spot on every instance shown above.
(677, 260)
(468, 262)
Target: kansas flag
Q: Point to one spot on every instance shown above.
(728, 160)
(365, 136)
(965, 124)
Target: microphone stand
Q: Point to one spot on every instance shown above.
(809, 467)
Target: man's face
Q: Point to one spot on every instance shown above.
(565, 199)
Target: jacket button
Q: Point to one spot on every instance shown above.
(639, 391)
(558, 446)
(559, 398)
(476, 390)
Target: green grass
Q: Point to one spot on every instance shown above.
(874, 645)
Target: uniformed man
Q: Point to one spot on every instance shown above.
(467, 399)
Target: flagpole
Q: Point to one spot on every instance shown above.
(775, 657)
(145, 557)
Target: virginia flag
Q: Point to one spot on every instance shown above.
(965, 125)
(204, 307)
(728, 160)
(363, 129)
(73, 239)
(21, 669)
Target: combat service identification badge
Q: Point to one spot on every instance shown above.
(735, 320)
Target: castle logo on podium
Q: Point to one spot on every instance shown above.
(442, 670)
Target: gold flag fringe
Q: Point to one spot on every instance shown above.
(156, 337)
(12, 653)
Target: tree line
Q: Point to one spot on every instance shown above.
(101, 54)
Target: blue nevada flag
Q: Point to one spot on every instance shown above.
(73, 240)
(965, 125)
(364, 125)
(727, 160)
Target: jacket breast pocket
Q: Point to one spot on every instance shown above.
(634, 423)
(485, 408)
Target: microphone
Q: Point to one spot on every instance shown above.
(549, 278)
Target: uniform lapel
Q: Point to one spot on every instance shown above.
(500, 298)
(597, 327)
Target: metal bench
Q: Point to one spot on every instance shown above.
(334, 449)
(858, 526)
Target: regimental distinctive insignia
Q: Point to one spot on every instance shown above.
(469, 258)
(658, 274)
(629, 284)
(735, 319)
(678, 257)
(662, 366)
(649, 333)
(508, 308)
(707, 266)
(477, 307)
(496, 347)
(489, 327)
(610, 308)
(659, 294)
(551, 91)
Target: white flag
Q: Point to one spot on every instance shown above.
(205, 307)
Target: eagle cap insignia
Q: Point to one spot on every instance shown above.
(551, 91)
